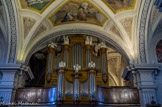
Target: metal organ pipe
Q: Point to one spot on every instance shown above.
(66, 57)
(91, 66)
(61, 81)
(88, 57)
(97, 62)
(104, 68)
(76, 82)
(77, 55)
(51, 50)
(50, 62)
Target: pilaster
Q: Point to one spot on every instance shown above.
(13, 76)
(143, 78)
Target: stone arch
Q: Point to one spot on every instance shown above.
(12, 28)
(155, 38)
(143, 29)
(78, 31)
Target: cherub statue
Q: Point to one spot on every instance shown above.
(62, 64)
(66, 40)
(91, 64)
(52, 45)
(88, 40)
(102, 45)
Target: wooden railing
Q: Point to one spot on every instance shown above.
(112, 95)
(118, 95)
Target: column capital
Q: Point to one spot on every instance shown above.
(17, 68)
(6, 67)
(140, 68)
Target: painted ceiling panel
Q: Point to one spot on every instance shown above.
(36, 5)
(78, 11)
(120, 5)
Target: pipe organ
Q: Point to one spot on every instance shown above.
(77, 73)
(77, 69)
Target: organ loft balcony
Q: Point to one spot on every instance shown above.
(78, 70)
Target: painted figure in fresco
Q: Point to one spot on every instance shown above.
(81, 14)
(118, 4)
(36, 4)
(83, 11)
(78, 11)
(68, 17)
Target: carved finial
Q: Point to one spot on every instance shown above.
(91, 64)
(62, 64)
(66, 40)
(52, 45)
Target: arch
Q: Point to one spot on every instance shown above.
(78, 31)
(155, 37)
(144, 17)
(152, 46)
(12, 27)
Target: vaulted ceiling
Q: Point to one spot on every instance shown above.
(119, 20)
(115, 18)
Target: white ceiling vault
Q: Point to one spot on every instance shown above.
(118, 22)
(119, 25)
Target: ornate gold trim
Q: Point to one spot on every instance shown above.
(119, 10)
(39, 11)
(50, 17)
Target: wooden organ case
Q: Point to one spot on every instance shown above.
(77, 70)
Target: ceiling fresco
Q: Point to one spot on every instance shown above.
(80, 11)
(120, 5)
(36, 5)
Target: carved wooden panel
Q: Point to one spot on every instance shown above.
(118, 95)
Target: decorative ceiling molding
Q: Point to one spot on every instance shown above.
(142, 30)
(78, 11)
(29, 51)
(36, 5)
(117, 5)
(127, 24)
(28, 24)
(13, 27)
(115, 30)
